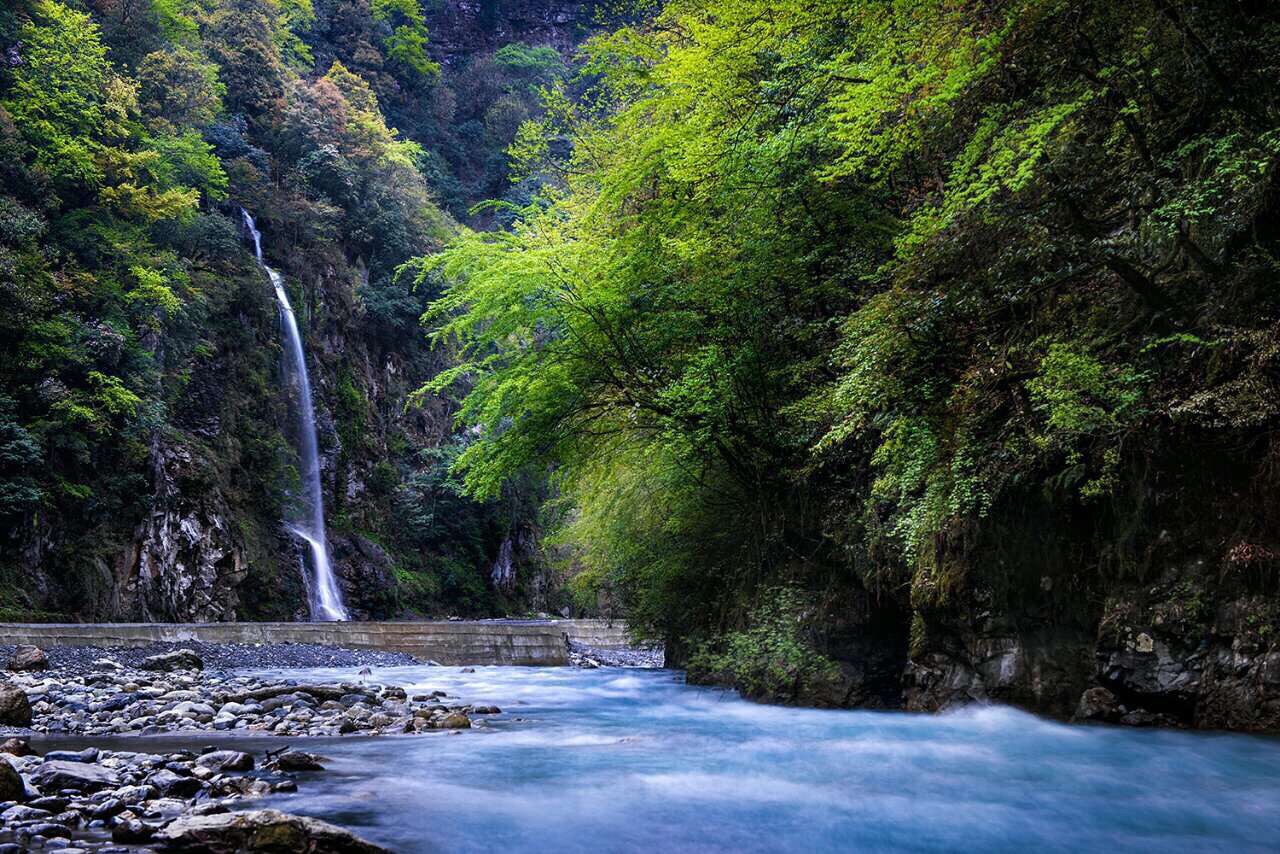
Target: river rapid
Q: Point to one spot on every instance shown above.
(614, 760)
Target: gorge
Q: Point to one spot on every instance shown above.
(864, 357)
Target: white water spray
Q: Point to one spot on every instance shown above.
(325, 600)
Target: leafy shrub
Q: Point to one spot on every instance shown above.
(773, 658)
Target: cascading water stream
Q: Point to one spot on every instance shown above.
(325, 600)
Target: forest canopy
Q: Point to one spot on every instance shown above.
(834, 294)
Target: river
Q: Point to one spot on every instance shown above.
(634, 760)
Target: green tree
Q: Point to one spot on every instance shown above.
(57, 96)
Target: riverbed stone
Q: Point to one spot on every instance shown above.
(136, 794)
(28, 657)
(59, 774)
(173, 785)
(179, 659)
(11, 786)
(455, 720)
(23, 813)
(132, 832)
(15, 708)
(297, 760)
(89, 754)
(16, 747)
(260, 831)
(226, 760)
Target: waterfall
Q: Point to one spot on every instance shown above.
(324, 599)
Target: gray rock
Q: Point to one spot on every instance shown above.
(49, 830)
(21, 813)
(297, 760)
(15, 708)
(132, 832)
(136, 794)
(11, 787)
(1098, 704)
(59, 774)
(173, 786)
(226, 760)
(179, 659)
(27, 657)
(456, 720)
(108, 808)
(89, 754)
(260, 831)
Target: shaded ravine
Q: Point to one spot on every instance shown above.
(322, 591)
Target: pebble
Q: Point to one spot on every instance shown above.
(95, 800)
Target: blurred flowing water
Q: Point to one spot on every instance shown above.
(634, 760)
(325, 599)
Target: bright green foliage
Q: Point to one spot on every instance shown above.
(838, 291)
(177, 20)
(775, 656)
(57, 96)
(538, 65)
(297, 17)
(407, 41)
(179, 88)
(187, 160)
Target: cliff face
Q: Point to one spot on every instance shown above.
(462, 28)
(1183, 636)
(211, 475)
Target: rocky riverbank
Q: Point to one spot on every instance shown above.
(582, 655)
(96, 799)
(115, 801)
(171, 692)
(218, 656)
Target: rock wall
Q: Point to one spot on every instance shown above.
(460, 28)
(1180, 630)
(533, 643)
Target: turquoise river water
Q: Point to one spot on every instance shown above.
(615, 760)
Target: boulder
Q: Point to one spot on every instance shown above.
(15, 747)
(20, 813)
(132, 832)
(89, 754)
(297, 760)
(260, 831)
(179, 659)
(1098, 704)
(172, 785)
(58, 774)
(136, 794)
(15, 708)
(226, 760)
(27, 657)
(11, 788)
(49, 830)
(456, 720)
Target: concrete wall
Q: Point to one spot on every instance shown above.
(457, 642)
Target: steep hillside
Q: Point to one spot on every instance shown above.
(146, 455)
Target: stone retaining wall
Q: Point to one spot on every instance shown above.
(453, 643)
